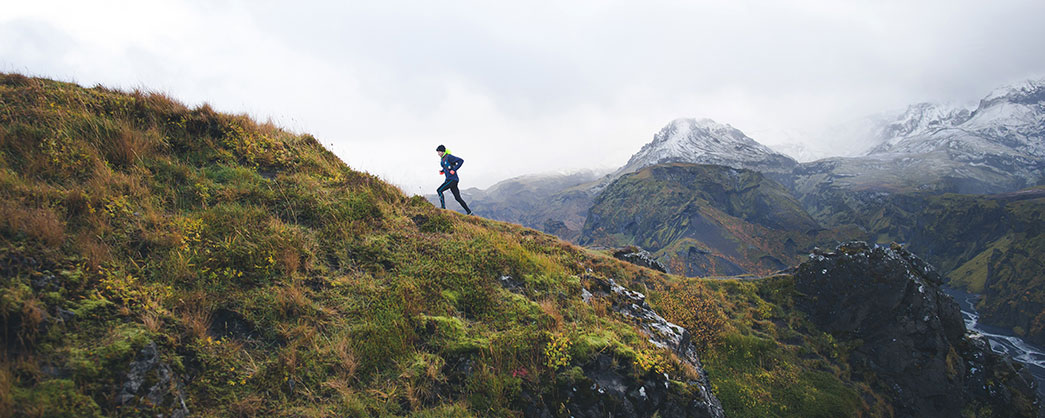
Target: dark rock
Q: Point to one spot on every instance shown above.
(601, 388)
(226, 323)
(164, 396)
(45, 281)
(605, 386)
(511, 284)
(65, 315)
(609, 390)
(911, 338)
(640, 257)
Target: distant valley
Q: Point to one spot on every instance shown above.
(961, 187)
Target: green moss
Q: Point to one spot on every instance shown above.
(586, 345)
(445, 411)
(94, 305)
(54, 398)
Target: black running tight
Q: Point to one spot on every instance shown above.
(452, 186)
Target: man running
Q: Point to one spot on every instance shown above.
(450, 164)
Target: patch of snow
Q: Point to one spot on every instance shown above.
(703, 141)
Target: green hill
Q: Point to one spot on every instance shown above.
(157, 259)
(705, 220)
(161, 259)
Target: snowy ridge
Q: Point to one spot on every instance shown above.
(705, 141)
(997, 147)
(1008, 122)
(1028, 91)
(918, 119)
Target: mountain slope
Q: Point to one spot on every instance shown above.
(918, 120)
(158, 259)
(988, 244)
(704, 220)
(559, 204)
(553, 203)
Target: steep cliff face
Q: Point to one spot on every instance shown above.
(991, 245)
(908, 336)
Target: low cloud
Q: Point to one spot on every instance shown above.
(532, 86)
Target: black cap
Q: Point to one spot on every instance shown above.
(440, 148)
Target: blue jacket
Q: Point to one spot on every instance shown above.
(451, 162)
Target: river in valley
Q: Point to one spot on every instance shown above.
(1001, 339)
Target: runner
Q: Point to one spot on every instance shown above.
(450, 164)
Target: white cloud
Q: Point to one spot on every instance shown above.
(531, 86)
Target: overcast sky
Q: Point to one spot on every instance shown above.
(530, 86)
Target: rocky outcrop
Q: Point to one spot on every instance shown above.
(150, 384)
(640, 257)
(605, 387)
(908, 337)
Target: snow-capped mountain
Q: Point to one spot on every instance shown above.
(918, 120)
(705, 141)
(1006, 132)
(999, 146)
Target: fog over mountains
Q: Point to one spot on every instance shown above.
(998, 141)
(995, 147)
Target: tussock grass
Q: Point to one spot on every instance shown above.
(275, 280)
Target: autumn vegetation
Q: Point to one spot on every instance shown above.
(275, 280)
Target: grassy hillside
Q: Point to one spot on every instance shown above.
(157, 259)
(552, 203)
(705, 220)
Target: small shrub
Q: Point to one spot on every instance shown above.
(6, 388)
(557, 351)
(54, 398)
(128, 145)
(345, 359)
(693, 307)
(248, 406)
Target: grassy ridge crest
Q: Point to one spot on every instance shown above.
(245, 270)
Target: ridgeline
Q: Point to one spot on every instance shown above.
(160, 259)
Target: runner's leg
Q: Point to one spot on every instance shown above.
(441, 189)
(457, 195)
